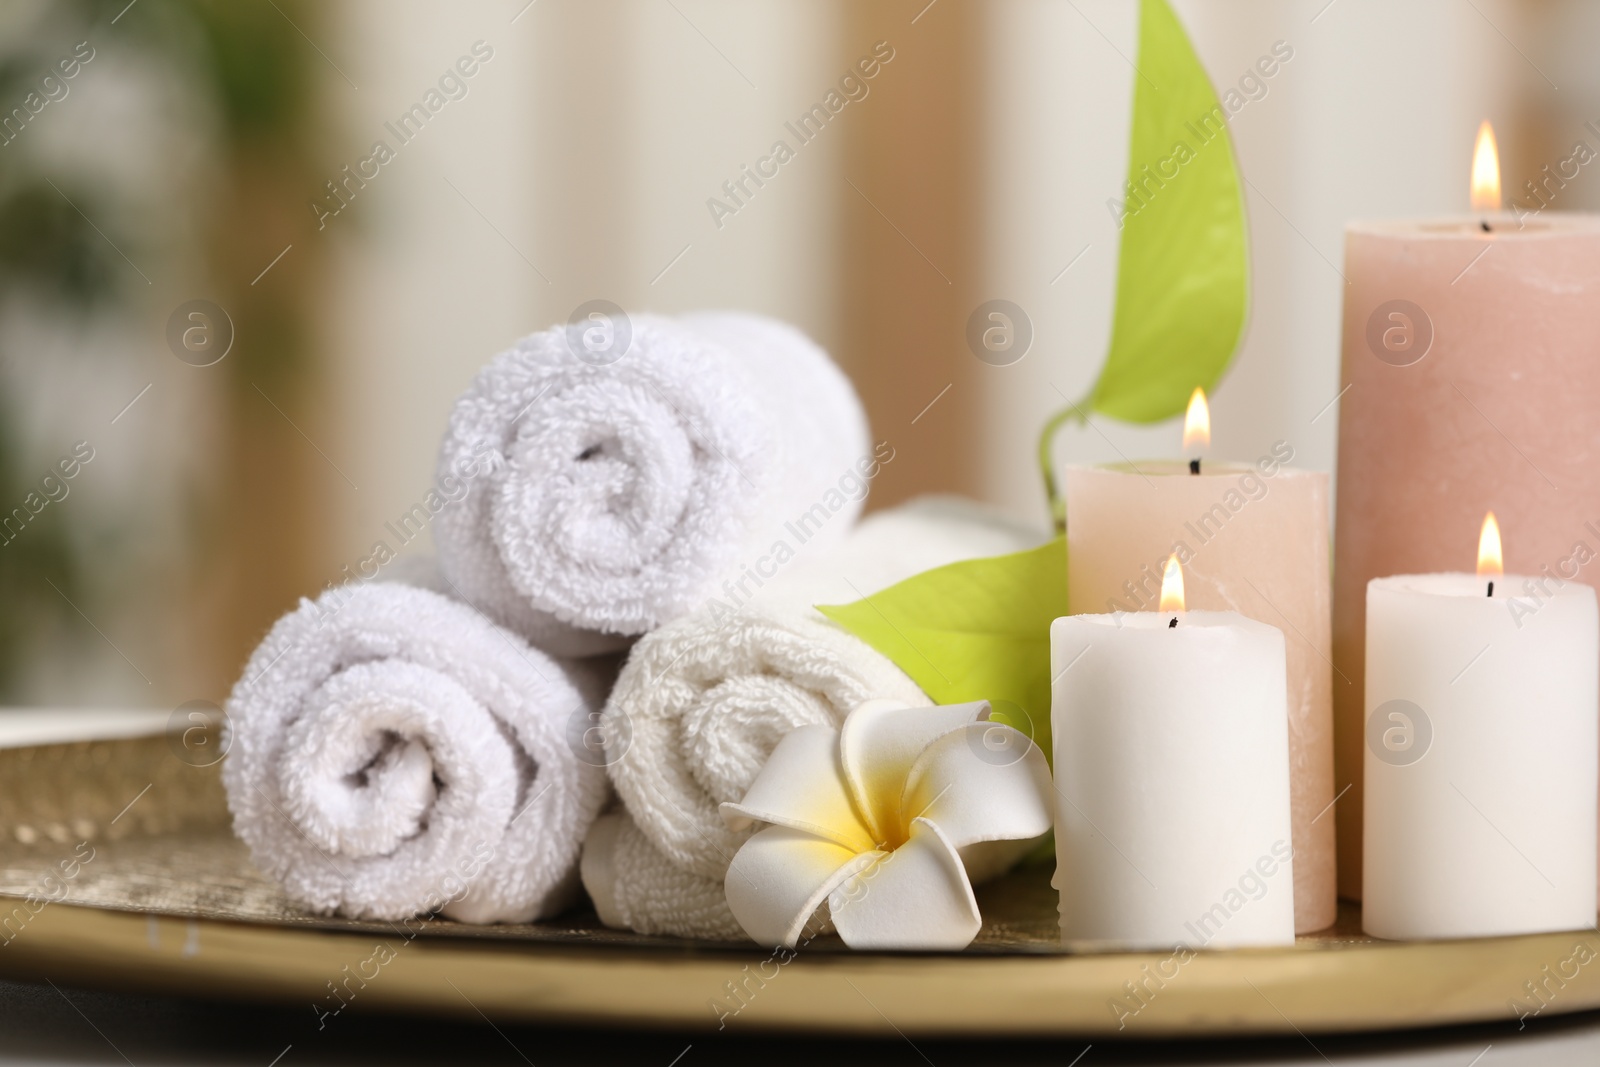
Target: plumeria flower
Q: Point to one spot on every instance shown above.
(876, 819)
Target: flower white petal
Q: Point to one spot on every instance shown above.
(880, 743)
(916, 897)
(981, 782)
(781, 876)
(802, 787)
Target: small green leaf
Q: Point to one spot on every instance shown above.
(974, 630)
(1183, 285)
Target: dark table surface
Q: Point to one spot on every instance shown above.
(45, 1023)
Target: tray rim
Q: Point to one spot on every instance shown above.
(1326, 987)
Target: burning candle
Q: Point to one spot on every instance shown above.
(1253, 539)
(1172, 773)
(1471, 375)
(1481, 738)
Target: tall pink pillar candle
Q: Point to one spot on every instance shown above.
(1251, 539)
(1471, 383)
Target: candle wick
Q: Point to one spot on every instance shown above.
(1194, 466)
(1491, 588)
(1485, 224)
(1173, 623)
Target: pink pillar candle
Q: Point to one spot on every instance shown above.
(1471, 383)
(1252, 539)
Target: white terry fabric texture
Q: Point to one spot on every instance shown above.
(702, 702)
(612, 498)
(393, 752)
(635, 888)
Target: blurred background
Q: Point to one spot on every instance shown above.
(215, 150)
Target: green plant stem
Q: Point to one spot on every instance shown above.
(1047, 468)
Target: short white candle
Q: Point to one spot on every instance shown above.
(1482, 730)
(1172, 769)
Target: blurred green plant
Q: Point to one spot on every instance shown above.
(250, 65)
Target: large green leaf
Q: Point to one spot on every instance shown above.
(974, 630)
(1182, 278)
(1183, 284)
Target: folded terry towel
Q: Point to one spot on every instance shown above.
(392, 751)
(621, 493)
(702, 702)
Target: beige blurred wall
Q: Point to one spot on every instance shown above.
(976, 168)
(577, 167)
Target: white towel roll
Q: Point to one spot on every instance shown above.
(393, 752)
(702, 701)
(621, 493)
(634, 887)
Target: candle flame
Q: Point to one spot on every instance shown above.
(1197, 422)
(1172, 585)
(1485, 171)
(1490, 564)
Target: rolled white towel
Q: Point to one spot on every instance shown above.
(622, 492)
(393, 752)
(702, 701)
(634, 887)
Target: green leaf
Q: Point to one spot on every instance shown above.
(1183, 277)
(974, 630)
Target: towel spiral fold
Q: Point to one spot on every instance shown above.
(394, 753)
(621, 495)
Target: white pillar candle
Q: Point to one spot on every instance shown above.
(1172, 773)
(1480, 766)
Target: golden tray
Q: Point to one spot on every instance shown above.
(167, 901)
